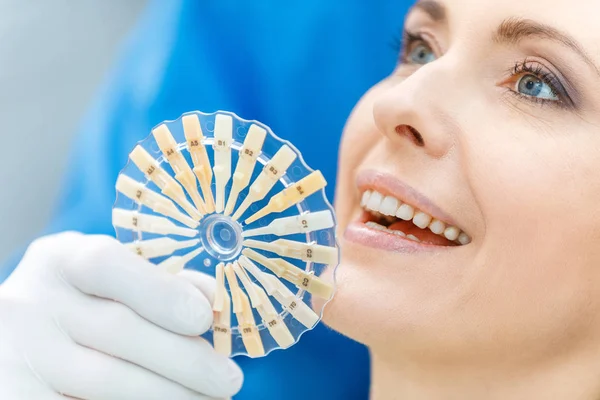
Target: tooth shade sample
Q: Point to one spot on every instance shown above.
(246, 162)
(245, 317)
(137, 221)
(291, 195)
(299, 310)
(304, 223)
(288, 271)
(269, 176)
(156, 202)
(183, 172)
(222, 314)
(163, 246)
(175, 264)
(222, 148)
(257, 274)
(245, 279)
(302, 251)
(194, 137)
(168, 186)
(272, 320)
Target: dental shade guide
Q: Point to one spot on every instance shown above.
(159, 247)
(168, 186)
(291, 195)
(302, 251)
(222, 149)
(269, 176)
(245, 317)
(303, 223)
(183, 173)
(253, 296)
(288, 271)
(222, 314)
(194, 138)
(137, 221)
(245, 166)
(176, 264)
(139, 193)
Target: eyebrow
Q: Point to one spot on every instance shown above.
(513, 30)
(435, 10)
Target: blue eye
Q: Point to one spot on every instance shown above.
(421, 54)
(531, 85)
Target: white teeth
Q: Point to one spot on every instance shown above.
(405, 212)
(375, 225)
(436, 226)
(421, 219)
(388, 206)
(463, 238)
(413, 237)
(451, 233)
(374, 201)
(365, 198)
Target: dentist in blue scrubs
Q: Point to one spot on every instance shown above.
(299, 67)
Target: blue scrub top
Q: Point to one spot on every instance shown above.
(298, 67)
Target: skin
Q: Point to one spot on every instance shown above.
(515, 313)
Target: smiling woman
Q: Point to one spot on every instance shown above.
(470, 257)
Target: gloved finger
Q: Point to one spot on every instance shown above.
(103, 267)
(87, 374)
(205, 283)
(112, 328)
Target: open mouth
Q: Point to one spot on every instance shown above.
(391, 215)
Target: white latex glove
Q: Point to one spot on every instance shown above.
(84, 317)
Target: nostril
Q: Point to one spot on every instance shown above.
(412, 133)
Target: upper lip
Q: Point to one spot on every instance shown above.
(387, 184)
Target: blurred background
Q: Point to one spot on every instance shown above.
(55, 56)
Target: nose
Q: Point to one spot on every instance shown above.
(417, 110)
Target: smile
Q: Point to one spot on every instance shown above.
(390, 215)
(397, 217)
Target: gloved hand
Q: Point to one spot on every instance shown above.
(84, 317)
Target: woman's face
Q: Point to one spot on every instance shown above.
(490, 125)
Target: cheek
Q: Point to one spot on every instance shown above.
(538, 261)
(359, 138)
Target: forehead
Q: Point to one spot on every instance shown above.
(578, 18)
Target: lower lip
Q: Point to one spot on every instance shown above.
(360, 233)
